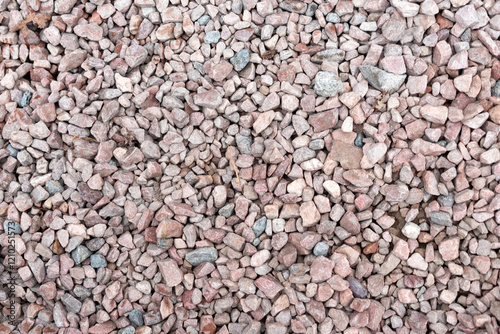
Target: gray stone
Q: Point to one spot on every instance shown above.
(211, 37)
(321, 249)
(359, 140)
(333, 18)
(81, 292)
(203, 20)
(440, 218)
(80, 254)
(358, 289)
(259, 226)
(11, 226)
(54, 187)
(446, 200)
(335, 55)
(311, 9)
(135, 316)
(244, 143)
(200, 255)
(241, 59)
(25, 100)
(382, 80)
(95, 244)
(495, 91)
(127, 330)
(13, 152)
(317, 144)
(72, 304)
(328, 84)
(227, 210)
(98, 261)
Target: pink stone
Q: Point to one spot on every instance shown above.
(170, 271)
(321, 269)
(269, 285)
(449, 248)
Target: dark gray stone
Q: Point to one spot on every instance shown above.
(359, 140)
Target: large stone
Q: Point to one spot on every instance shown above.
(382, 80)
(327, 84)
(200, 255)
(349, 156)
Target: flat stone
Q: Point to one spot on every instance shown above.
(200, 255)
(334, 55)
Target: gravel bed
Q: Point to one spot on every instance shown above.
(245, 166)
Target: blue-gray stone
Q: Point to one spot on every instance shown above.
(259, 226)
(335, 55)
(244, 143)
(54, 187)
(321, 249)
(26, 98)
(211, 37)
(127, 330)
(382, 80)
(311, 9)
(358, 289)
(346, 28)
(333, 18)
(327, 84)
(13, 152)
(11, 226)
(136, 317)
(495, 91)
(204, 19)
(359, 140)
(240, 59)
(200, 255)
(227, 210)
(317, 144)
(80, 254)
(98, 261)
(256, 242)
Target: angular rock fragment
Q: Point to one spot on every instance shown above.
(382, 80)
